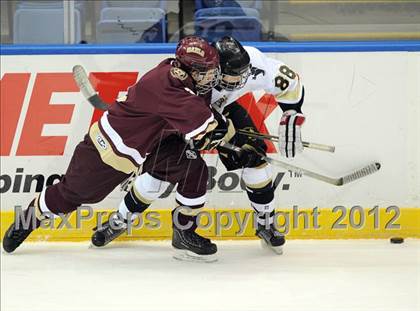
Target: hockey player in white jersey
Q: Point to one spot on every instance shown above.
(244, 69)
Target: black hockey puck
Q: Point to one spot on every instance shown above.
(397, 240)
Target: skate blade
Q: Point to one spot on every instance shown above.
(186, 255)
(93, 246)
(276, 249)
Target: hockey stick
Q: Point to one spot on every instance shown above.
(273, 138)
(90, 94)
(340, 181)
(82, 81)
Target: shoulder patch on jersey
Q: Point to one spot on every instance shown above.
(220, 102)
(256, 71)
(178, 73)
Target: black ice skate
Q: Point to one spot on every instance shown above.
(271, 238)
(18, 231)
(192, 247)
(106, 233)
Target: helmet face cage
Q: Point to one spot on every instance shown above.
(201, 74)
(231, 86)
(235, 63)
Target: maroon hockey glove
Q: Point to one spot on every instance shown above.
(224, 131)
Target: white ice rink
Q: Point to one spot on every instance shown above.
(310, 275)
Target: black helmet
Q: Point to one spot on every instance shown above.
(234, 61)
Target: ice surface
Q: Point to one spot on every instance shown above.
(310, 275)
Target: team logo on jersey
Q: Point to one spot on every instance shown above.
(191, 154)
(178, 73)
(256, 71)
(195, 50)
(101, 142)
(220, 102)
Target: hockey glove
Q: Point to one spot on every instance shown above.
(223, 132)
(290, 140)
(250, 156)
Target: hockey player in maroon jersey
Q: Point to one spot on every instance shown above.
(165, 101)
(244, 69)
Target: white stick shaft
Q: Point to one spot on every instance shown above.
(308, 173)
(319, 146)
(306, 144)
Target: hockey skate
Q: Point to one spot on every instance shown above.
(189, 246)
(271, 238)
(108, 232)
(18, 231)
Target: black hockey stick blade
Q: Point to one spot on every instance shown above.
(82, 81)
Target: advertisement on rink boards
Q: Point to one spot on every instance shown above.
(367, 110)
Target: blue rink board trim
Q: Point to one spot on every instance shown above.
(169, 48)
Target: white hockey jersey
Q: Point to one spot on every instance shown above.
(268, 74)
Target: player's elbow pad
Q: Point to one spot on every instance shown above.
(297, 106)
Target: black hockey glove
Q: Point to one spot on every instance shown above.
(250, 156)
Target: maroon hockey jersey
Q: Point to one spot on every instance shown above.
(161, 103)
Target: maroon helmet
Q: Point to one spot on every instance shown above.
(195, 54)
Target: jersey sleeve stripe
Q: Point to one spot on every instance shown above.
(42, 205)
(200, 129)
(118, 142)
(108, 152)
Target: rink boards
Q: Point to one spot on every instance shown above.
(363, 98)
